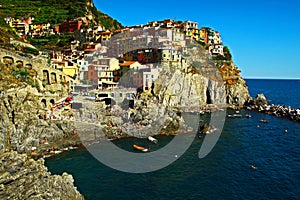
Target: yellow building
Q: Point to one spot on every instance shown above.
(189, 34)
(196, 33)
(203, 35)
(69, 68)
(106, 35)
(193, 34)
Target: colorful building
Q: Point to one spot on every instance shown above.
(70, 26)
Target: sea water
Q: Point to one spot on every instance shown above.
(225, 173)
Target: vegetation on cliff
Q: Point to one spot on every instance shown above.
(54, 12)
(15, 76)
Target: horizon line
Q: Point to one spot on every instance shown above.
(272, 78)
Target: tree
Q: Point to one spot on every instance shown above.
(227, 53)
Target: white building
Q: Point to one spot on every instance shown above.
(149, 77)
(83, 69)
(171, 55)
(216, 49)
(190, 25)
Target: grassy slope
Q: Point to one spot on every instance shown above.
(53, 11)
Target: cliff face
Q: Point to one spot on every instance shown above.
(238, 94)
(188, 89)
(21, 131)
(199, 82)
(22, 177)
(21, 128)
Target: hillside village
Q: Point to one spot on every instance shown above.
(99, 58)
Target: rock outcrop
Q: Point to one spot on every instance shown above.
(21, 177)
(200, 81)
(23, 130)
(261, 104)
(238, 94)
(26, 134)
(188, 89)
(260, 100)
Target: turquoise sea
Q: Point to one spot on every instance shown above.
(225, 173)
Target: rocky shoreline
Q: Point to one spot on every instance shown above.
(21, 177)
(261, 104)
(31, 128)
(25, 138)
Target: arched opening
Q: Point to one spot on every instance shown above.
(28, 66)
(53, 78)
(44, 102)
(46, 78)
(109, 101)
(19, 63)
(8, 60)
(52, 102)
(208, 97)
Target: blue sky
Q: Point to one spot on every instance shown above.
(263, 36)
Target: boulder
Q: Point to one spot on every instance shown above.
(24, 178)
(260, 100)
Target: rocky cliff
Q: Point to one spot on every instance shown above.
(21, 177)
(24, 131)
(201, 81)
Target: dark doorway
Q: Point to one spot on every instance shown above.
(208, 97)
(44, 102)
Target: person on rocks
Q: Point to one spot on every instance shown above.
(75, 131)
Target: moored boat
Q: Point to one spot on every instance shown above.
(263, 121)
(144, 149)
(152, 139)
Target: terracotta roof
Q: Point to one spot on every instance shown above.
(127, 63)
(105, 33)
(89, 50)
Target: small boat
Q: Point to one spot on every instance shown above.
(211, 130)
(144, 149)
(237, 115)
(55, 152)
(234, 115)
(152, 139)
(263, 121)
(46, 156)
(248, 116)
(253, 167)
